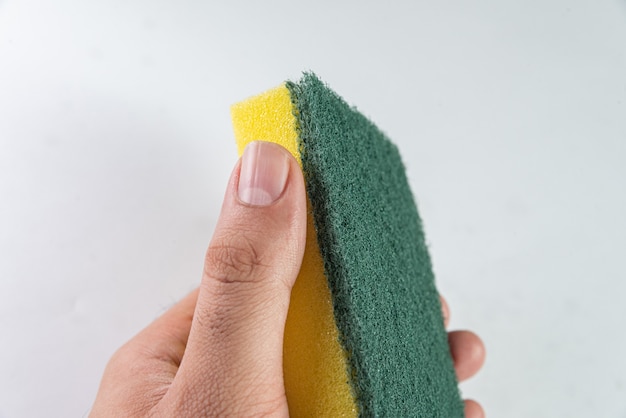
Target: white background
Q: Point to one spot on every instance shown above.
(115, 147)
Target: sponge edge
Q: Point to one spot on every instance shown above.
(370, 235)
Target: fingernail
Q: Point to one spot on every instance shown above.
(263, 175)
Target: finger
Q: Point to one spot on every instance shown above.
(445, 310)
(468, 353)
(147, 363)
(234, 352)
(166, 338)
(473, 409)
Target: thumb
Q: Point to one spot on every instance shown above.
(232, 365)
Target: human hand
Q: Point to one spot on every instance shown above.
(218, 352)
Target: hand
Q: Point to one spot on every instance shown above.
(218, 352)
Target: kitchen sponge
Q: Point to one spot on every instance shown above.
(364, 333)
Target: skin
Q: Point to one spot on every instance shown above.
(218, 352)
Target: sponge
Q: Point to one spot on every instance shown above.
(364, 333)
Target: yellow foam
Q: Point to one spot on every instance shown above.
(315, 366)
(266, 117)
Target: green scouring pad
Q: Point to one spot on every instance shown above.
(364, 334)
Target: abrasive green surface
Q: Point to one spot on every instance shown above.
(370, 235)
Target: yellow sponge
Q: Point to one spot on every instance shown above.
(315, 365)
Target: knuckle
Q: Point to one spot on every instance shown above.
(123, 357)
(234, 258)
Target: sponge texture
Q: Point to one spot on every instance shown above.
(364, 332)
(376, 261)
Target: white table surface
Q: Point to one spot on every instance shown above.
(115, 146)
